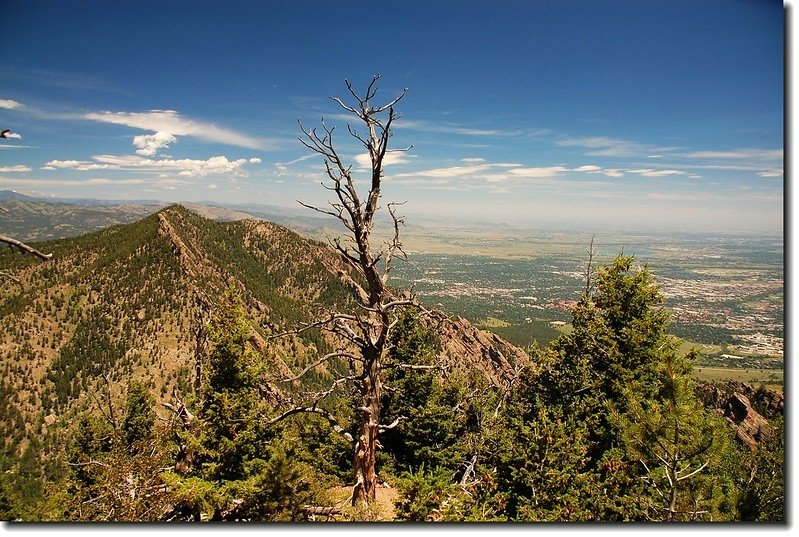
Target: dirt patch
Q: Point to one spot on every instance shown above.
(382, 510)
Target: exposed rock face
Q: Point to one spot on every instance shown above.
(751, 426)
(734, 403)
(464, 347)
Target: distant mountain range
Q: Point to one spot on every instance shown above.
(36, 218)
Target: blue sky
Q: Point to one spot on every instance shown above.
(601, 115)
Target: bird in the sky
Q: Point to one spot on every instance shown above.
(4, 133)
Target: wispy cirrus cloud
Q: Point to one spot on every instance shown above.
(737, 154)
(447, 172)
(172, 123)
(589, 168)
(603, 146)
(535, 172)
(453, 128)
(476, 169)
(94, 181)
(765, 162)
(390, 158)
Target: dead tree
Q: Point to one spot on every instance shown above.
(590, 270)
(366, 332)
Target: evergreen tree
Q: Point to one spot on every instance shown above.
(244, 470)
(137, 426)
(681, 448)
(616, 387)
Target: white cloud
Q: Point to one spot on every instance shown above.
(656, 173)
(454, 171)
(254, 160)
(610, 172)
(473, 160)
(212, 187)
(183, 167)
(449, 128)
(14, 169)
(588, 168)
(77, 165)
(397, 157)
(149, 144)
(299, 159)
(536, 172)
(770, 173)
(9, 104)
(170, 122)
(96, 181)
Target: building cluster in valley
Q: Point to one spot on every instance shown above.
(750, 308)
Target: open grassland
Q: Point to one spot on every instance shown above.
(771, 378)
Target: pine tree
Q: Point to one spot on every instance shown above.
(244, 470)
(617, 377)
(680, 447)
(137, 426)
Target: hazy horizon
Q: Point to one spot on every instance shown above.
(429, 221)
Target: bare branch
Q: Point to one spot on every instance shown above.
(383, 428)
(90, 462)
(392, 103)
(320, 361)
(313, 410)
(415, 367)
(694, 472)
(316, 324)
(24, 247)
(10, 277)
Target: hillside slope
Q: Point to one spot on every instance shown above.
(126, 302)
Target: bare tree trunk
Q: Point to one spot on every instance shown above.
(365, 457)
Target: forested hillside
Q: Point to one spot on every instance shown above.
(131, 309)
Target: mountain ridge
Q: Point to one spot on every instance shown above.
(124, 302)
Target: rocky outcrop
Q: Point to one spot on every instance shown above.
(464, 348)
(750, 425)
(734, 403)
